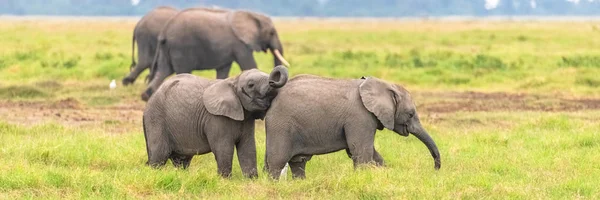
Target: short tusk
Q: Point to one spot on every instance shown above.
(283, 173)
(280, 57)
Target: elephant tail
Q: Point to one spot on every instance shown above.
(145, 136)
(133, 63)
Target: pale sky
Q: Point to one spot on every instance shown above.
(491, 4)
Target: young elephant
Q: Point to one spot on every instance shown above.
(314, 115)
(191, 115)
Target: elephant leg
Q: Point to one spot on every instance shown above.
(245, 59)
(276, 165)
(145, 57)
(223, 152)
(246, 152)
(298, 166)
(158, 153)
(223, 72)
(378, 159)
(137, 70)
(277, 157)
(278, 148)
(159, 77)
(157, 145)
(348, 153)
(180, 161)
(360, 144)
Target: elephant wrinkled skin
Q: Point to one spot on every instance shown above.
(190, 115)
(314, 115)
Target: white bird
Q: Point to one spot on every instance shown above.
(113, 84)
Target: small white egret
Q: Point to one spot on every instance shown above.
(113, 84)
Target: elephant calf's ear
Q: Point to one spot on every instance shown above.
(220, 99)
(377, 96)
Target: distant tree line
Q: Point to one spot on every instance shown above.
(340, 8)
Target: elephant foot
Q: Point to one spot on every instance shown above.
(155, 165)
(127, 81)
(225, 174)
(146, 95)
(251, 175)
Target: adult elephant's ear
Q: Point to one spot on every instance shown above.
(246, 28)
(378, 97)
(220, 99)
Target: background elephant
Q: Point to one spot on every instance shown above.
(314, 115)
(202, 38)
(146, 33)
(190, 115)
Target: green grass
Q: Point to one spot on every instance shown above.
(508, 154)
(532, 156)
(526, 56)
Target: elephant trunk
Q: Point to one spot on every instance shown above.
(278, 77)
(277, 51)
(418, 131)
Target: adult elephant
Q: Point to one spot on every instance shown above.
(203, 38)
(146, 33)
(190, 115)
(314, 115)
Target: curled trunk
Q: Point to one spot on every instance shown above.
(278, 77)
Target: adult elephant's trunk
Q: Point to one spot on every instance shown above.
(278, 77)
(277, 51)
(418, 131)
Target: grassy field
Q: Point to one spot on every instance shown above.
(513, 106)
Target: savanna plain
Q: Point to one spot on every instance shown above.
(514, 108)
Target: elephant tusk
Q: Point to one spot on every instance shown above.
(280, 57)
(283, 173)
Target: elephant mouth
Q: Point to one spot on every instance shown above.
(402, 130)
(256, 101)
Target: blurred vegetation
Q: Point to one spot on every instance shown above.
(535, 57)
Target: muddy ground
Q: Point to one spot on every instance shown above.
(127, 116)
(448, 102)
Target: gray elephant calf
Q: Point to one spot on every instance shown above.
(190, 115)
(314, 115)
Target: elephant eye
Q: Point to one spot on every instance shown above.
(251, 85)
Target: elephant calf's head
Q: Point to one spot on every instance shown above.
(394, 108)
(249, 93)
